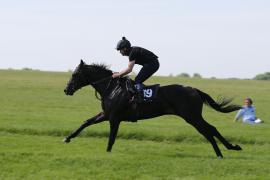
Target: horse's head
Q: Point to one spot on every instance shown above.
(85, 75)
(77, 80)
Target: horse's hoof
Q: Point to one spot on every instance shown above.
(237, 147)
(220, 157)
(66, 140)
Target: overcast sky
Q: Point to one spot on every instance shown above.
(213, 38)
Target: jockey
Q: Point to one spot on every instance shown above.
(137, 55)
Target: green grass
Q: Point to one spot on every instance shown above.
(35, 115)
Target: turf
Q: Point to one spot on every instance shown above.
(35, 115)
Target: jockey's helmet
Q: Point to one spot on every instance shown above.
(123, 43)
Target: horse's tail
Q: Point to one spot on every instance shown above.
(222, 105)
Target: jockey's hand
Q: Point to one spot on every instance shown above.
(115, 75)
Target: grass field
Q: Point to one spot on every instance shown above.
(35, 115)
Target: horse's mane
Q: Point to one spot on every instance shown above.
(98, 68)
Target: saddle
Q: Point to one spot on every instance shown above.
(148, 93)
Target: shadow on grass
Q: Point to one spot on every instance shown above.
(129, 135)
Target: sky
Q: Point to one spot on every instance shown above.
(221, 39)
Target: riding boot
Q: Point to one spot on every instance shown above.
(139, 93)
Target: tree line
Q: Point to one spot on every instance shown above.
(263, 76)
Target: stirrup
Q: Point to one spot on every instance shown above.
(139, 97)
(136, 98)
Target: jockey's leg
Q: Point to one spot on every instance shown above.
(147, 71)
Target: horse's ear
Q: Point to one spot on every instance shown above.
(82, 63)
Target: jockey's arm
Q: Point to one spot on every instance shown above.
(125, 71)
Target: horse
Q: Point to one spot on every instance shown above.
(183, 101)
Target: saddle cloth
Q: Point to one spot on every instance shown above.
(150, 92)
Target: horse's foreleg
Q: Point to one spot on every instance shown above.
(114, 126)
(94, 120)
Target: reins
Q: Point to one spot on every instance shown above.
(100, 81)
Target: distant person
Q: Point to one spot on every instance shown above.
(137, 55)
(247, 113)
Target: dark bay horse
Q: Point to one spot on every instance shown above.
(186, 102)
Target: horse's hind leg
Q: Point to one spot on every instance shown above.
(204, 130)
(214, 132)
(94, 120)
(215, 146)
(211, 139)
(223, 140)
